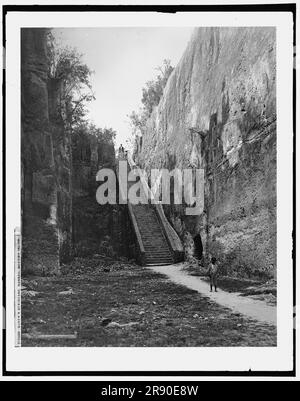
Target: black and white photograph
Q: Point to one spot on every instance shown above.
(154, 155)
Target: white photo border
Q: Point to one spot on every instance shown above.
(169, 360)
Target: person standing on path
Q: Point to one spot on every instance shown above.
(213, 273)
(121, 152)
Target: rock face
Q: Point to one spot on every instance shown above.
(97, 229)
(46, 157)
(218, 113)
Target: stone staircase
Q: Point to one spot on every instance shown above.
(157, 251)
(157, 243)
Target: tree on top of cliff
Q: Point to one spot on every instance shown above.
(102, 135)
(66, 65)
(106, 135)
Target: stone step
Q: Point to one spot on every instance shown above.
(150, 232)
(148, 218)
(157, 248)
(147, 226)
(161, 257)
(158, 262)
(157, 256)
(152, 235)
(152, 225)
(150, 240)
(153, 244)
(157, 253)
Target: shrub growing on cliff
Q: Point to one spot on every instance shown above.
(154, 89)
(151, 95)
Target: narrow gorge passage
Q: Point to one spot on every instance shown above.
(105, 270)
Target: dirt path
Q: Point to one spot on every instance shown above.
(254, 309)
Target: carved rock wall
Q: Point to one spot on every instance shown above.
(218, 112)
(46, 161)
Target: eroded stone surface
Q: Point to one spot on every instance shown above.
(218, 112)
(39, 192)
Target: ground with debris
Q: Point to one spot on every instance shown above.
(101, 303)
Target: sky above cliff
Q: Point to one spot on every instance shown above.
(123, 60)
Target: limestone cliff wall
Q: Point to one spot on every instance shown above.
(46, 161)
(218, 112)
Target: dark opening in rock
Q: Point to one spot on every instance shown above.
(198, 246)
